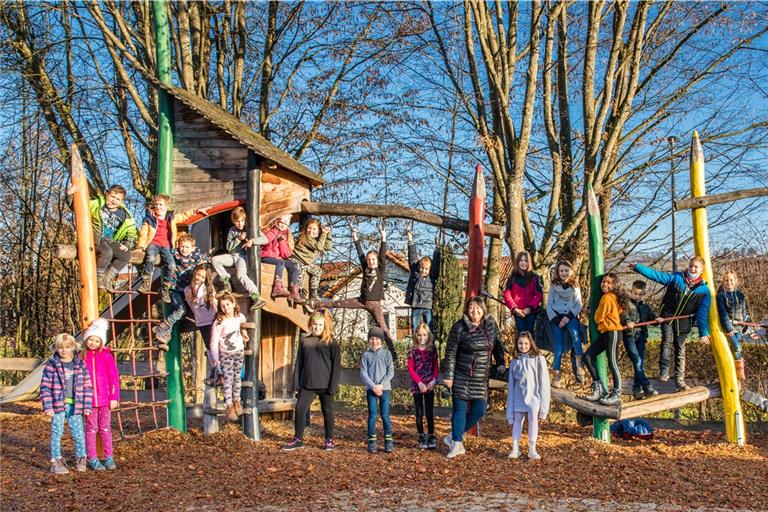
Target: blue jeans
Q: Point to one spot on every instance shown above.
(465, 415)
(167, 258)
(635, 347)
(280, 264)
(178, 307)
(736, 343)
(559, 334)
(419, 315)
(75, 429)
(526, 323)
(374, 404)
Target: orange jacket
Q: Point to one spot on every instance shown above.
(608, 314)
(149, 227)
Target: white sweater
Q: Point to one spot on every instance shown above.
(528, 389)
(563, 301)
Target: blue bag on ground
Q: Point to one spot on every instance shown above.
(636, 428)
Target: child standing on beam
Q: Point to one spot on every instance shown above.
(732, 308)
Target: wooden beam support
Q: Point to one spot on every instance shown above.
(396, 211)
(690, 203)
(69, 252)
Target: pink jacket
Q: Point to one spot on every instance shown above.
(104, 376)
(521, 295)
(277, 244)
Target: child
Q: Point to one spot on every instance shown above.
(420, 291)
(228, 337)
(523, 293)
(563, 308)
(608, 320)
(317, 372)
(65, 390)
(687, 294)
(528, 393)
(276, 251)
(186, 258)
(376, 372)
(732, 307)
(423, 367)
(201, 299)
(636, 337)
(105, 382)
(314, 240)
(114, 231)
(373, 265)
(237, 243)
(158, 235)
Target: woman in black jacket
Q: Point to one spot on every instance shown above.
(466, 368)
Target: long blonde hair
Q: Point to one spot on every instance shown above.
(325, 315)
(430, 339)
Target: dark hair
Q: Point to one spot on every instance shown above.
(210, 291)
(480, 301)
(117, 188)
(571, 280)
(220, 313)
(640, 285)
(534, 351)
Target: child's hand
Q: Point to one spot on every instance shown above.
(422, 387)
(409, 235)
(247, 244)
(123, 247)
(527, 311)
(87, 412)
(448, 383)
(431, 385)
(659, 320)
(326, 229)
(563, 322)
(630, 325)
(244, 334)
(72, 189)
(114, 404)
(242, 235)
(518, 313)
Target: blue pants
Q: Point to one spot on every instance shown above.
(167, 258)
(280, 264)
(419, 315)
(178, 307)
(75, 429)
(635, 347)
(525, 324)
(559, 334)
(465, 415)
(376, 403)
(736, 343)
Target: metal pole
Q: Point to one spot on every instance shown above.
(250, 394)
(671, 140)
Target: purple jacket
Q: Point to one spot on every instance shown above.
(104, 376)
(52, 386)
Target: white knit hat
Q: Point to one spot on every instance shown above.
(286, 218)
(98, 328)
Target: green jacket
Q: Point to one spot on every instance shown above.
(126, 232)
(308, 251)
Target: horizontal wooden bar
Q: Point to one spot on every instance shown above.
(726, 197)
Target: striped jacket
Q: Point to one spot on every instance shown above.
(52, 386)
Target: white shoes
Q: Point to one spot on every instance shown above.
(533, 454)
(515, 453)
(448, 440)
(456, 450)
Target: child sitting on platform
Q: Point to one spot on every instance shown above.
(636, 337)
(237, 244)
(563, 309)
(527, 393)
(228, 337)
(276, 251)
(65, 390)
(105, 381)
(377, 372)
(732, 308)
(523, 293)
(423, 367)
(420, 292)
(314, 240)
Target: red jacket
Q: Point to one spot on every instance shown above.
(104, 376)
(521, 294)
(277, 244)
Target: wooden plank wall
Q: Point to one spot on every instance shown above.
(276, 359)
(281, 192)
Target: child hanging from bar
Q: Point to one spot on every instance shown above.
(635, 338)
(687, 294)
(314, 240)
(373, 266)
(420, 291)
(276, 251)
(236, 245)
(732, 309)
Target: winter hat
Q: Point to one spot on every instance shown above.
(377, 332)
(286, 219)
(98, 328)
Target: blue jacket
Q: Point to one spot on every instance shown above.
(681, 299)
(731, 307)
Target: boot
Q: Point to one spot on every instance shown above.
(515, 453)
(59, 467)
(108, 279)
(295, 294)
(740, 369)
(580, 372)
(557, 379)
(598, 390)
(256, 302)
(278, 290)
(226, 285)
(231, 414)
(165, 293)
(146, 283)
(612, 398)
(238, 407)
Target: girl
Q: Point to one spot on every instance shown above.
(528, 393)
(523, 294)
(563, 308)
(317, 372)
(105, 381)
(228, 339)
(423, 367)
(201, 297)
(314, 240)
(731, 308)
(65, 390)
(608, 318)
(276, 251)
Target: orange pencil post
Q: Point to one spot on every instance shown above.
(86, 247)
(476, 249)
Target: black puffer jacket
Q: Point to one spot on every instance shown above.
(468, 357)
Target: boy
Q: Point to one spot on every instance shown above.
(114, 231)
(158, 236)
(635, 338)
(186, 258)
(687, 294)
(237, 244)
(376, 372)
(420, 291)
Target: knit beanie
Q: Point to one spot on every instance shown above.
(98, 328)
(286, 219)
(377, 332)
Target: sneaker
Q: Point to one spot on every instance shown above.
(226, 284)
(81, 464)
(109, 463)
(448, 440)
(456, 450)
(295, 444)
(638, 393)
(664, 377)
(515, 453)
(162, 334)
(649, 391)
(165, 294)
(256, 302)
(389, 444)
(612, 398)
(96, 465)
(371, 445)
(422, 442)
(431, 442)
(597, 391)
(59, 467)
(682, 386)
(533, 454)
(329, 444)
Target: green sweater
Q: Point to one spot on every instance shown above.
(309, 249)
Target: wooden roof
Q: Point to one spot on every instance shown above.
(239, 131)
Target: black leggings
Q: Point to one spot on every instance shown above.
(306, 396)
(425, 404)
(609, 342)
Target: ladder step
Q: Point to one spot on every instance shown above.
(246, 383)
(214, 412)
(248, 325)
(248, 352)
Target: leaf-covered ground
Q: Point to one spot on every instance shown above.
(167, 470)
